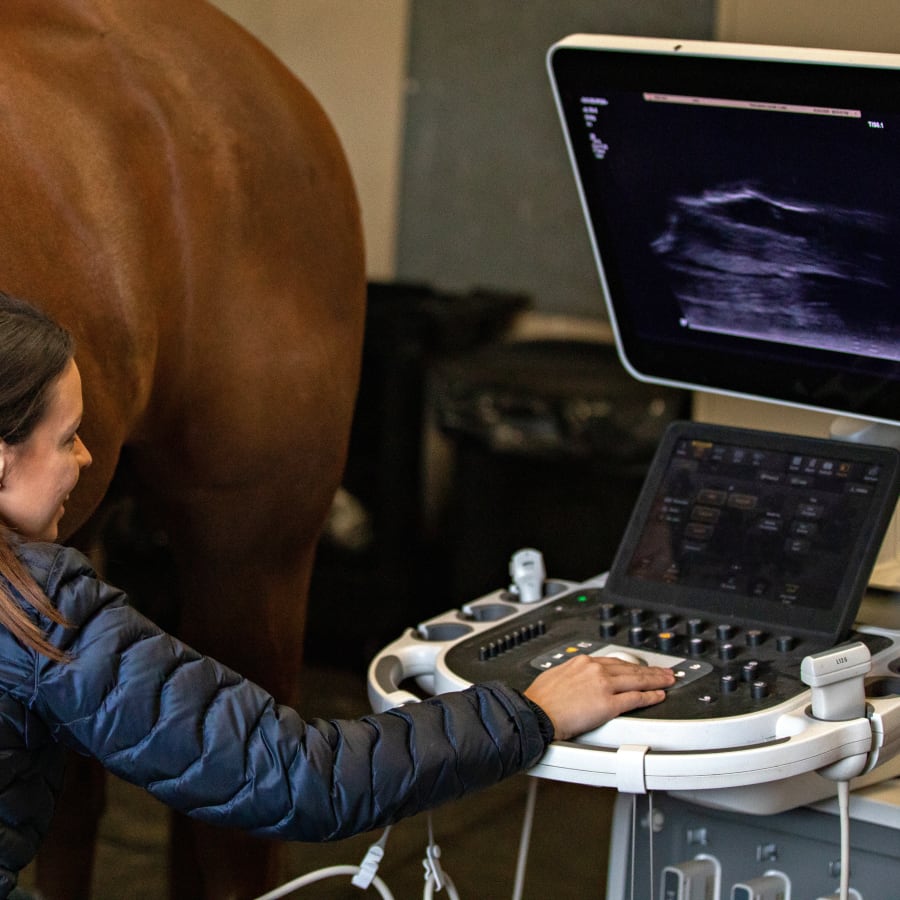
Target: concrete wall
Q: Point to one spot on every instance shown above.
(837, 24)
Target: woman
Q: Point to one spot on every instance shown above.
(80, 668)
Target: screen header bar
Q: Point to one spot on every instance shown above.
(760, 105)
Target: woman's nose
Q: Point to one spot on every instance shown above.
(84, 455)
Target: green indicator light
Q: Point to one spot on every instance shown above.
(582, 599)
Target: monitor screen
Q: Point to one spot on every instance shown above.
(744, 208)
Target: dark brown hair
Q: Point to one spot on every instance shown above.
(34, 352)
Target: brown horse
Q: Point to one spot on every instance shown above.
(176, 198)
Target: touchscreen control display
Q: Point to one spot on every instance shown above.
(758, 526)
(755, 522)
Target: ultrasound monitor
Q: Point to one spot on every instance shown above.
(744, 209)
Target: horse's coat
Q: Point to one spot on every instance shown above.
(172, 195)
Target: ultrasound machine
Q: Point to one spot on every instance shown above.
(743, 204)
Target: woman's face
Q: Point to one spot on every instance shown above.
(38, 474)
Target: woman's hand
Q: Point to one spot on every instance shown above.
(586, 691)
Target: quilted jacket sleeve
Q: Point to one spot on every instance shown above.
(211, 744)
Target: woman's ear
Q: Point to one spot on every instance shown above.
(4, 459)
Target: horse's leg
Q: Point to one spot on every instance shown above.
(248, 607)
(65, 864)
(215, 863)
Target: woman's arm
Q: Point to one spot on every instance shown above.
(211, 744)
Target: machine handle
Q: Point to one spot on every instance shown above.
(803, 744)
(385, 676)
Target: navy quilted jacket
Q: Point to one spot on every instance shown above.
(211, 744)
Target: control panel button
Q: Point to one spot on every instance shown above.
(755, 637)
(725, 631)
(666, 640)
(728, 683)
(608, 629)
(666, 621)
(750, 670)
(637, 634)
(727, 651)
(608, 611)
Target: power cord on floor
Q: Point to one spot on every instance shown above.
(365, 875)
(321, 875)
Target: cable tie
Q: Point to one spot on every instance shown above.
(432, 866)
(368, 868)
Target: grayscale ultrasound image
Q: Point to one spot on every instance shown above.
(745, 261)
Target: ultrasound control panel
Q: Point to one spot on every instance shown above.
(736, 729)
(745, 561)
(722, 669)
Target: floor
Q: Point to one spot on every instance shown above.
(478, 836)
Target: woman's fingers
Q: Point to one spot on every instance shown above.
(587, 691)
